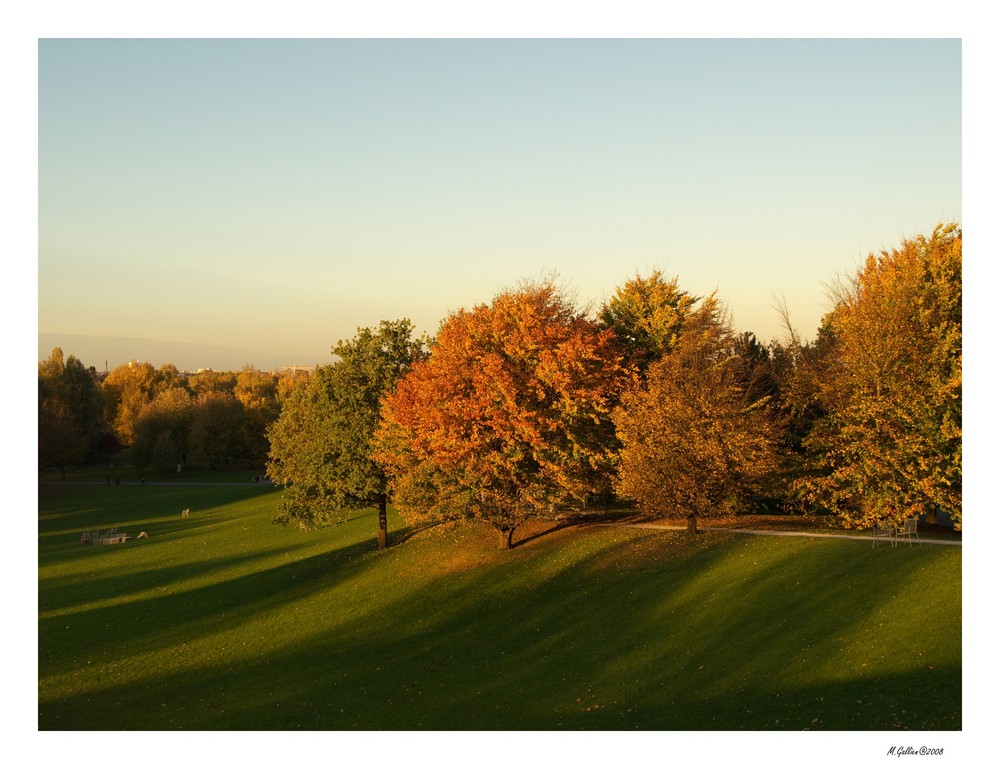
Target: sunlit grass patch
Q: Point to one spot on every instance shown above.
(224, 621)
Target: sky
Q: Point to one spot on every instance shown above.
(275, 195)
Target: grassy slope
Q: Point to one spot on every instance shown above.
(223, 621)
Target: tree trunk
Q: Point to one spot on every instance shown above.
(692, 524)
(383, 524)
(506, 539)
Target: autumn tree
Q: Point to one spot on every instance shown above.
(320, 445)
(161, 430)
(128, 389)
(257, 392)
(52, 367)
(798, 367)
(698, 438)
(169, 376)
(218, 433)
(755, 366)
(288, 382)
(888, 443)
(647, 315)
(509, 415)
(208, 380)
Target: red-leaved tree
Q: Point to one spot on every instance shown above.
(510, 414)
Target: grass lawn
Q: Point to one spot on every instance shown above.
(224, 621)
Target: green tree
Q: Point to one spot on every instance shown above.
(70, 411)
(509, 415)
(321, 443)
(698, 438)
(888, 443)
(218, 429)
(647, 315)
(163, 423)
(60, 441)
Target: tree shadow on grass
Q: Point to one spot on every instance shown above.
(637, 630)
(147, 625)
(403, 535)
(547, 530)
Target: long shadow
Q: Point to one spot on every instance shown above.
(551, 529)
(610, 640)
(62, 592)
(578, 519)
(403, 535)
(161, 622)
(66, 548)
(255, 591)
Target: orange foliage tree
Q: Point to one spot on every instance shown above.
(128, 389)
(701, 437)
(510, 414)
(889, 387)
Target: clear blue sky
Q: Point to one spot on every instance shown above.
(275, 195)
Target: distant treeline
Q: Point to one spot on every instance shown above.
(527, 404)
(163, 417)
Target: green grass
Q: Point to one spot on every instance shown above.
(224, 621)
(122, 472)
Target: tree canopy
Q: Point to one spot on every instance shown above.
(509, 415)
(647, 315)
(321, 443)
(699, 438)
(889, 385)
(70, 411)
(128, 389)
(527, 402)
(160, 433)
(219, 434)
(257, 393)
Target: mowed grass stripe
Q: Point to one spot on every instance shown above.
(224, 621)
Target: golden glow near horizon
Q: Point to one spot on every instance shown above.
(273, 196)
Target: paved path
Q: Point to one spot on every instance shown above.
(759, 532)
(765, 533)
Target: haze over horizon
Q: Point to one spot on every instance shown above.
(243, 193)
(107, 352)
